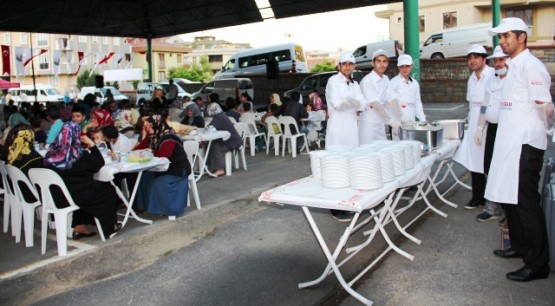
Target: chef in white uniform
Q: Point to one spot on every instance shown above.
(374, 88)
(344, 99)
(470, 154)
(525, 113)
(404, 91)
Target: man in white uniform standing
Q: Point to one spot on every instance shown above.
(526, 111)
(404, 92)
(469, 154)
(487, 124)
(374, 88)
(344, 99)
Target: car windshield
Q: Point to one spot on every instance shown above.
(52, 91)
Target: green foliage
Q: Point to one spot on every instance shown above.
(323, 67)
(199, 73)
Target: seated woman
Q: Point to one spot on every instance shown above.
(216, 158)
(164, 193)
(193, 117)
(77, 166)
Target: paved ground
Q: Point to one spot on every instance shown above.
(236, 251)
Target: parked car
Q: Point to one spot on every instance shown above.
(145, 91)
(363, 54)
(100, 93)
(45, 93)
(226, 88)
(318, 82)
(181, 92)
(455, 42)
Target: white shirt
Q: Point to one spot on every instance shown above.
(172, 92)
(492, 98)
(407, 94)
(123, 144)
(371, 126)
(344, 98)
(527, 81)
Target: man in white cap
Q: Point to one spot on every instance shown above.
(487, 125)
(526, 111)
(374, 88)
(404, 93)
(344, 99)
(469, 154)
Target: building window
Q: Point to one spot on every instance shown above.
(82, 39)
(42, 39)
(116, 41)
(161, 75)
(23, 38)
(180, 59)
(421, 24)
(215, 58)
(43, 61)
(449, 20)
(525, 14)
(162, 61)
(95, 39)
(7, 38)
(104, 40)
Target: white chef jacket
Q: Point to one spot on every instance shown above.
(407, 94)
(371, 126)
(492, 98)
(469, 154)
(527, 80)
(344, 98)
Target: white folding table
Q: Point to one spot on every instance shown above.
(206, 136)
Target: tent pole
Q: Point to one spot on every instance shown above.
(33, 68)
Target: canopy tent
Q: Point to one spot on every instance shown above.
(7, 85)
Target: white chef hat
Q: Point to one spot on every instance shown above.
(476, 49)
(347, 57)
(404, 60)
(509, 24)
(497, 52)
(379, 52)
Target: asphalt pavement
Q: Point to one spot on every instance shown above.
(237, 251)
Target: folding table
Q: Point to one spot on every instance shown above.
(207, 136)
(310, 193)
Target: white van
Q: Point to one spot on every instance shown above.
(100, 93)
(45, 93)
(455, 42)
(232, 87)
(363, 54)
(253, 61)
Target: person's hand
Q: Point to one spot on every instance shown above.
(394, 123)
(87, 141)
(478, 135)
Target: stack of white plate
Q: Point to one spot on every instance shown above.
(386, 164)
(416, 149)
(337, 148)
(409, 154)
(315, 165)
(335, 170)
(399, 165)
(365, 172)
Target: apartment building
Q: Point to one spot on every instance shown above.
(436, 15)
(217, 51)
(58, 64)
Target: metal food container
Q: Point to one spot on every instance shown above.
(452, 129)
(431, 136)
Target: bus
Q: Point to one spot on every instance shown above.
(290, 58)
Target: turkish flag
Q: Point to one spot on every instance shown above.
(6, 60)
(106, 58)
(42, 51)
(80, 56)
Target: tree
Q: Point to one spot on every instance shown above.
(323, 67)
(198, 73)
(86, 79)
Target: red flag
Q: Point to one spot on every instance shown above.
(6, 60)
(106, 58)
(42, 51)
(80, 56)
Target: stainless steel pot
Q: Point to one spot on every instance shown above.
(431, 136)
(452, 129)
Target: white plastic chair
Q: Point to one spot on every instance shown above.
(242, 129)
(191, 149)
(45, 179)
(288, 122)
(18, 178)
(10, 207)
(272, 126)
(251, 135)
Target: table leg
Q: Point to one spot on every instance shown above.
(129, 203)
(204, 167)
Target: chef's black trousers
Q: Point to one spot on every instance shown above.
(488, 149)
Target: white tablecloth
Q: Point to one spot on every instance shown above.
(207, 136)
(107, 172)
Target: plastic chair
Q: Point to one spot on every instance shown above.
(242, 129)
(18, 178)
(288, 122)
(191, 149)
(274, 131)
(251, 135)
(10, 206)
(45, 179)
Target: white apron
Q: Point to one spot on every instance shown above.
(469, 154)
(371, 126)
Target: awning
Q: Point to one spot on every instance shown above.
(7, 85)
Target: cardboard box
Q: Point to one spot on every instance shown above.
(505, 241)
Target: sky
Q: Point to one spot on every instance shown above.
(337, 30)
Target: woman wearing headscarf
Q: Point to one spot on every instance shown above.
(77, 166)
(193, 116)
(14, 119)
(216, 158)
(164, 193)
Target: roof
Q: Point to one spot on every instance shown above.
(150, 18)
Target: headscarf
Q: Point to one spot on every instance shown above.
(17, 118)
(66, 149)
(19, 142)
(196, 112)
(161, 129)
(103, 117)
(214, 109)
(277, 100)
